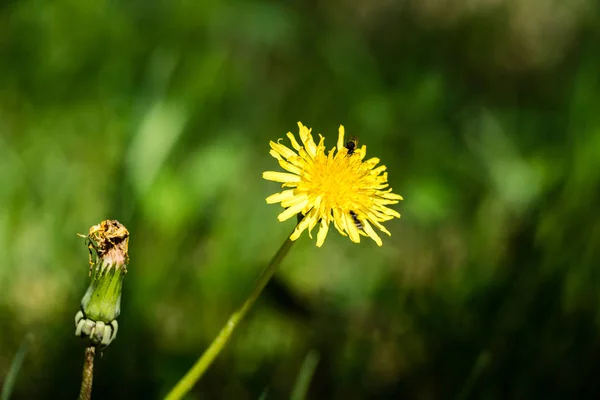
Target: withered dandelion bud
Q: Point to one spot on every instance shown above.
(101, 305)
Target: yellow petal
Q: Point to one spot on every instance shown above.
(313, 223)
(379, 169)
(331, 156)
(322, 233)
(282, 149)
(371, 232)
(338, 221)
(290, 167)
(314, 215)
(372, 162)
(352, 229)
(362, 152)
(378, 225)
(275, 154)
(295, 144)
(292, 201)
(301, 227)
(321, 145)
(392, 196)
(384, 202)
(292, 210)
(389, 212)
(340, 143)
(307, 140)
(279, 197)
(280, 177)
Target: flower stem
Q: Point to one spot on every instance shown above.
(186, 383)
(88, 374)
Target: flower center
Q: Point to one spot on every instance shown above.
(336, 180)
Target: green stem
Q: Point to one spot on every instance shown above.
(186, 383)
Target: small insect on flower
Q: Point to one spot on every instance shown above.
(351, 144)
(327, 186)
(356, 220)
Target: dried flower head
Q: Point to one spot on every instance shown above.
(108, 244)
(110, 240)
(335, 186)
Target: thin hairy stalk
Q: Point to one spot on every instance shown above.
(88, 374)
(186, 383)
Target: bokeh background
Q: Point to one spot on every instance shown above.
(159, 113)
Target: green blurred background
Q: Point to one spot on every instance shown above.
(159, 113)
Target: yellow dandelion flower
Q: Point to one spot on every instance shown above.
(335, 186)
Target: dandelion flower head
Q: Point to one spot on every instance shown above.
(334, 186)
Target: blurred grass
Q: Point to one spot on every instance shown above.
(159, 114)
(13, 372)
(305, 375)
